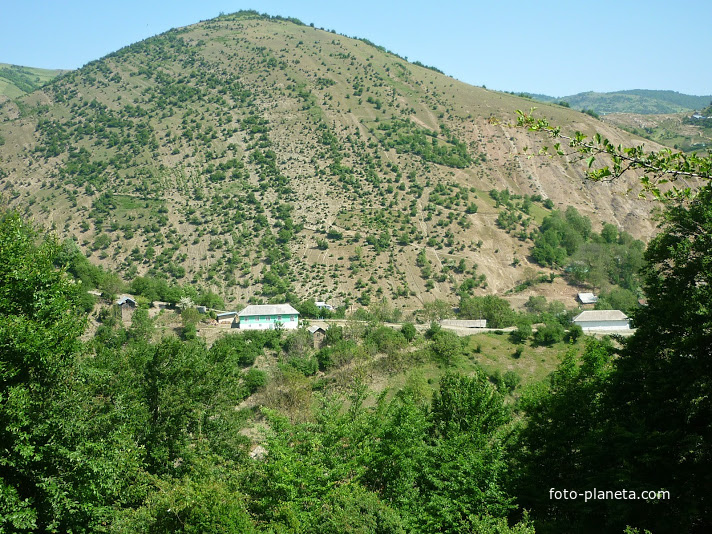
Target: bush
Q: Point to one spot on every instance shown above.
(549, 334)
(307, 365)
(521, 334)
(340, 354)
(497, 311)
(386, 339)
(409, 332)
(433, 329)
(235, 349)
(574, 333)
(254, 379)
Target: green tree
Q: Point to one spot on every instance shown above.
(647, 412)
(40, 325)
(409, 332)
(660, 390)
(446, 346)
(497, 311)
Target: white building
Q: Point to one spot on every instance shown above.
(268, 317)
(602, 320)
(464, 323)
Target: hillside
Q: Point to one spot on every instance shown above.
(261, 157)
(637, 101)
(679, 131)
(16, 81)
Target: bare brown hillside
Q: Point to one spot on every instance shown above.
(260, 157)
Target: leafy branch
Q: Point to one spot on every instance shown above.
(658, 168)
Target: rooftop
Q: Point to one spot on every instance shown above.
(601, 315)
(268, 309)
(587, 298)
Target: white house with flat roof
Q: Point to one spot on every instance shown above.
(602, 320)
(268, 317)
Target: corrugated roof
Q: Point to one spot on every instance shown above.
(587, 298)
(268, 309)
(315, 328)
(601, 315)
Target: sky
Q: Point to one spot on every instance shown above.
(553, 48)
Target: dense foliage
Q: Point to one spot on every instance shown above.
(125, 432)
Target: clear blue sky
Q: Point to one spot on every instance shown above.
(555, 48)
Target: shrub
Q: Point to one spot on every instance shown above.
(574, 333)
(549, 334)
(254, 379)
(521, 334)
(408, 331)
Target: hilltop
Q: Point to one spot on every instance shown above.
(260, 157)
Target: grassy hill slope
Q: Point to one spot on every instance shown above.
(260, 157)
(16, 81)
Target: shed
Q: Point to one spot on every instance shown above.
(125, 300)
(268, 317)
(127, 305)
(226, 317)
(602, 320)
(318, 334)
(587, 298)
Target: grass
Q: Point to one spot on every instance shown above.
(495, 354)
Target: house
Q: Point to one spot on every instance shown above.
(474, 323)
(324, 306)
(587, 298)
(226, 317)
(268, 317)
(602, 320)
(318, 334)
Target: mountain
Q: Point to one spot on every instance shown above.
(17, 81)
(639, 101)
(261, 157)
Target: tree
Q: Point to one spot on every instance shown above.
(40, 325)
(446, 345)
(408, 331)
(559, 446)
(552, 332)
(522, 332)
(648, 414)
(664, 374)
(497, 311)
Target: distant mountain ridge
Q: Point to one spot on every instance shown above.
(640, 101)
(16, 80)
